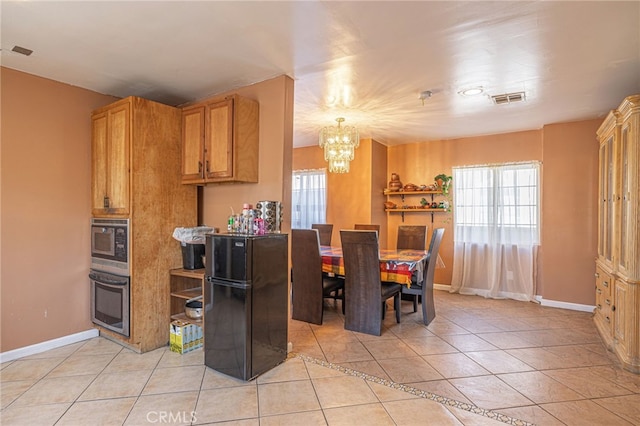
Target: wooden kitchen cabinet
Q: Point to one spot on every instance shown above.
(220, 141)
(603, 314)
(136, 164)
(111, 135)
(617, 314)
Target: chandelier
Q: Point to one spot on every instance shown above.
(339, 145)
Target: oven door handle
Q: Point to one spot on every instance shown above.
(106, 279)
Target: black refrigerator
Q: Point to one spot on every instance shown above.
(246, 305)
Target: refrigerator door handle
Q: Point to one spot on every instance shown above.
(233, 284)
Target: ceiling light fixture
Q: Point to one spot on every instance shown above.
(472, 91)
(339, 144)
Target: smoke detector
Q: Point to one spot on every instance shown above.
(508, 98)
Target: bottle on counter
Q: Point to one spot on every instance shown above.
(247, 222)
(237, 223)
(259, 226)
(251, 217)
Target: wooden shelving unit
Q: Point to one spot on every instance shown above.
(417, 209)
(185, 284)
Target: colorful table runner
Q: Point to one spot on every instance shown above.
(395, 265)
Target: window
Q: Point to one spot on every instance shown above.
(499, 201)
(308, 198)
(497, 230)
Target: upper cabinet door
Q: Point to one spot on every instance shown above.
(628, 259)
(99, 163)
(608, 135)
(219, 140)
(118, 158)
(193, 123)
(111, 137)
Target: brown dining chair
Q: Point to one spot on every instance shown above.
(325, 230)
(425, 288)
(412, 237)
(309, 286)
(367, 227)
(365, 294)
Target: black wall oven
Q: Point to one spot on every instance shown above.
(109, 275)
(110, 301)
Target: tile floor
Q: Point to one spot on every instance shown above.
(481, 362)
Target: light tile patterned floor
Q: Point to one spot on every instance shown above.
(481, 362)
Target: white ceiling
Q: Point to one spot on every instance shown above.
(574, 60)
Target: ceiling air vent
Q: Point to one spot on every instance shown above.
(508, 98)
(22, 50)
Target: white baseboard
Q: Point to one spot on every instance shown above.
(540, 300)
(445, 287)
(564, 305)
(48, 345)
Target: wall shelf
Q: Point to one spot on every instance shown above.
(417, 209)
(403, 193)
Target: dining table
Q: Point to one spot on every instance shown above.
(395, 265)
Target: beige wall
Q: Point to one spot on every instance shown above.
(569, 154)
(45, 197)
(45, 211)
(276, 141)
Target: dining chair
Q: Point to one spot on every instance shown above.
(425, 289)
(309, 286)
(365, 295)
(325, 230)
(367, 227)
(412, 237)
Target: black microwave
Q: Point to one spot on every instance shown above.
(110, 245)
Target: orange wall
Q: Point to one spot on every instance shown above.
(570, 220)
(419, 163)
(351, 196)
(45, 210)
(569, 154)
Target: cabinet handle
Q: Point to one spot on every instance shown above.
(598, 291)
(597, 275)
(199, 167)
(607, 301)
(207, 168)
(599, 306)
(105, 202)
(613, 308)
(608, 319)
(605, 283)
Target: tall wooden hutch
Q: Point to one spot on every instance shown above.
(617, 314)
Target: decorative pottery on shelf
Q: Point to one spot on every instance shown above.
(410, 187)
(395, 184)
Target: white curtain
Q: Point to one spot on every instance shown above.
(308, 198)
(497, 230)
